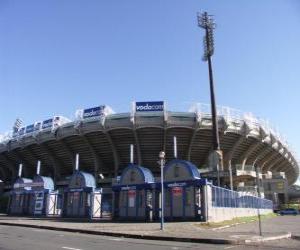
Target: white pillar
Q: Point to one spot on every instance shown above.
(38, 169)
(175, 147)
(20, 170)
(77, 162)
(131, 153)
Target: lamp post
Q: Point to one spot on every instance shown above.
(257, 170)
(162, 163)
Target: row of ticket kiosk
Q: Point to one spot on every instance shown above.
(135, 196)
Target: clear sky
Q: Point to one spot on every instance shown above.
(60, 55)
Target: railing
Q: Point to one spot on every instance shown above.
(222, 197)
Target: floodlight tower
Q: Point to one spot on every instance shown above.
(206, 22)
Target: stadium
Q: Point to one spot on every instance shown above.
(102, 138)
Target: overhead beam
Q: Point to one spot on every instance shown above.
(189, 153)
(98, 164)
(56, 163)
(22, 160)
(244, 157)
(228, 156)
(9, 165)
(138, 147)
(115, 153)
(69, 151)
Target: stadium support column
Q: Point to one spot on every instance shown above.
(206, 22)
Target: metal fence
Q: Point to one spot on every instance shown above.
(222, 197)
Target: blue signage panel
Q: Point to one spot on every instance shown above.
(29, 128)
(47, 123)
(93, 112)
(149, 106)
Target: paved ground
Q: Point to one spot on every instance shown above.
(19, 238)
(271, 227)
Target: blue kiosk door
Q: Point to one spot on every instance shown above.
(75, 203)
(177, 202)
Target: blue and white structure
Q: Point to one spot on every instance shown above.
(81, 198)
(183, 191)
(19, 197)
(133, 194)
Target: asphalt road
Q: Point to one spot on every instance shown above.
(15, 238)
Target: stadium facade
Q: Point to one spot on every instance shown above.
(102, 138)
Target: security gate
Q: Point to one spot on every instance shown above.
(54, 204)
(39, 202)
(96, 205)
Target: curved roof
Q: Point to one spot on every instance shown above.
(192, 169)
(88, 179)
(47, 182)
(145, 172)
(19, 183)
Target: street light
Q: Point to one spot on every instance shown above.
(162, 163)
(257, 170)
(207, 23)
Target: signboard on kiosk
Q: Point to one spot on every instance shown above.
(157, 106)
(131, 197)
(93, 112)
(177, 191)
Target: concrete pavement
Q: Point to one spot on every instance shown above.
(176, 231)
(20, 238)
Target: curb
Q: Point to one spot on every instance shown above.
(279, 237)
(154, 237)
(132, 236)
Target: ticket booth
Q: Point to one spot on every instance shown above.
(81, 198)
(133, 195)
(20, 197)
(183, 192)
(41, 188)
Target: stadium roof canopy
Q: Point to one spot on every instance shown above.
(103, 143)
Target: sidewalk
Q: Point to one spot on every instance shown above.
(174, 231)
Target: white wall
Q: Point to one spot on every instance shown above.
(216, 214)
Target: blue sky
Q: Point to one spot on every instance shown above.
(57, 56)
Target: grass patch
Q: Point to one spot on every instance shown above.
(246, 219)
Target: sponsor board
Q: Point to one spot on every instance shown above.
(93, 112)
(128, 188)
(47, 123)
(181, 184)
(149, 106)
(29, 128)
